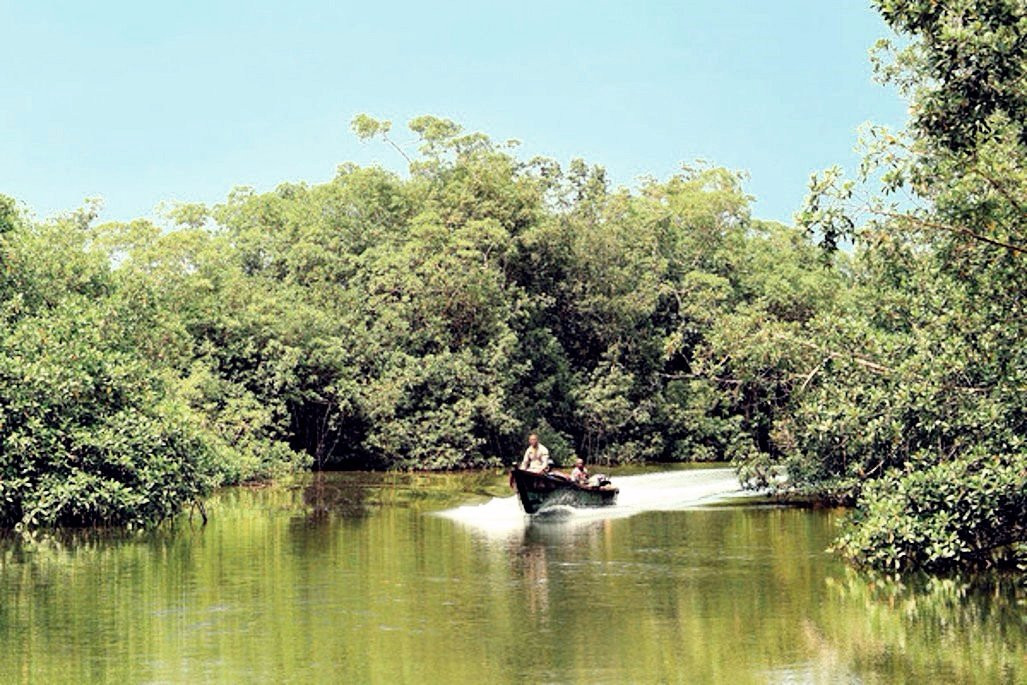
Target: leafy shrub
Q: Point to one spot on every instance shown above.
(969, 511)
(86, 432)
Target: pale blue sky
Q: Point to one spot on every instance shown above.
(139, 102)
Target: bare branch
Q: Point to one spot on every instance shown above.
(924, 223)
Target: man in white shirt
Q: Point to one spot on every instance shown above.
(536, 457)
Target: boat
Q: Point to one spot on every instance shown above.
(542, 490)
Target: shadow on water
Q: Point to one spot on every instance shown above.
(357, 494)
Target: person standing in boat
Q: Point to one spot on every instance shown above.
(536, 457)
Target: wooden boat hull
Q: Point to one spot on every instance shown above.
(538, 490)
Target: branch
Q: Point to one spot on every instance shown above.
(811, 374)
(398, 148)
(952, 229)
(830, 354)
(1001, 190)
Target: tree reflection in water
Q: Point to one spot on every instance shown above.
(347, 578)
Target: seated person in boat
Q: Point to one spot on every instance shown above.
(536, 457)
(580, 473)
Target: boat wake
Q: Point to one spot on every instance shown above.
(664, 491)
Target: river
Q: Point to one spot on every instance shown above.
(408, 578)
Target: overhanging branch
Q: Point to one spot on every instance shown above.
(963, 230)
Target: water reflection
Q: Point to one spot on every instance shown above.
(956, 629)
(325, 497)
(350, 578)
(531, 565)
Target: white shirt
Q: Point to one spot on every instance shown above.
(536, 459)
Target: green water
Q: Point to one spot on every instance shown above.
(356, 578)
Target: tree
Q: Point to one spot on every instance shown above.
(915, 412)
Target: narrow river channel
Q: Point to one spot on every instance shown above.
(394, 578)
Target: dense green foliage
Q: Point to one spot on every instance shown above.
(109, 413)
(915, 406)
(431, 322)
(967, 509)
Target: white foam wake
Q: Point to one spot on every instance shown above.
(664, 491)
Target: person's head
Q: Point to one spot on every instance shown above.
(580, 463)
(533, 440)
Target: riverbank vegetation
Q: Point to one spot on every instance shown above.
(872, 355)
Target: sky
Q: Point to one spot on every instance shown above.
(144, 102)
